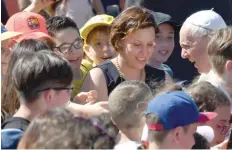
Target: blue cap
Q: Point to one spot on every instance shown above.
(175, 109)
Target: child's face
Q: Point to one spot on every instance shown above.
(164, 43)
(220, 124)
(187, 140)
(70, 45)
(99, 49)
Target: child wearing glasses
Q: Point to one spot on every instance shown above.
(69, 43)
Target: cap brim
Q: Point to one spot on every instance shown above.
(33, 35)
(206, 116)
(9, 34)
(175, 25)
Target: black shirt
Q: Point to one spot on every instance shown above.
(113, 78)
(16, 123)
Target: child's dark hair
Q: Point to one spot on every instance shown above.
(200, 142)
(207, 97)
(40, 70)
(58, 23)
(10, 102)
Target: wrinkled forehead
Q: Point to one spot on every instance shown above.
(186, 35)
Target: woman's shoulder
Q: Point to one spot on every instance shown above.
(106, 64)
(108, 68)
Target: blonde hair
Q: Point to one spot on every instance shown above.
(220, 49)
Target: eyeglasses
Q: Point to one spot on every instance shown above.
(65, 47)
(224, 129)
(69, 89)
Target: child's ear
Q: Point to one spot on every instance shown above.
(86, 48)
(228, 66)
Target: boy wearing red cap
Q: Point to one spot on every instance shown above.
(31, 25)
(22, 25)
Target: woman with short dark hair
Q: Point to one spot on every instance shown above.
(133, 36)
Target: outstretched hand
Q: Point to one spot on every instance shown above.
(41, 4)
(38, 5)
(86, 97)
(96, 109)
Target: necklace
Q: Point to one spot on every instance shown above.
(123, 76)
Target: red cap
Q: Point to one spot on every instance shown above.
(33, 35)
(206, 116)
(25, 22)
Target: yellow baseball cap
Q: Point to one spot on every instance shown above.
(95, 21)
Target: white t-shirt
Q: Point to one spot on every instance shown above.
(145, 134)
(80, 11)
(130, 145)
(216, 81)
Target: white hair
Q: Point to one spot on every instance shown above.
(198, 31)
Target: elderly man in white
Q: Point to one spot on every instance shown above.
(195, 35)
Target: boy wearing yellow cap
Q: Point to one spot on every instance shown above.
(97, 49)
(96, 38)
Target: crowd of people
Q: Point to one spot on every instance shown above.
(103, 83)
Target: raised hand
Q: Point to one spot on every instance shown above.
(86, 97)
(38, 5)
